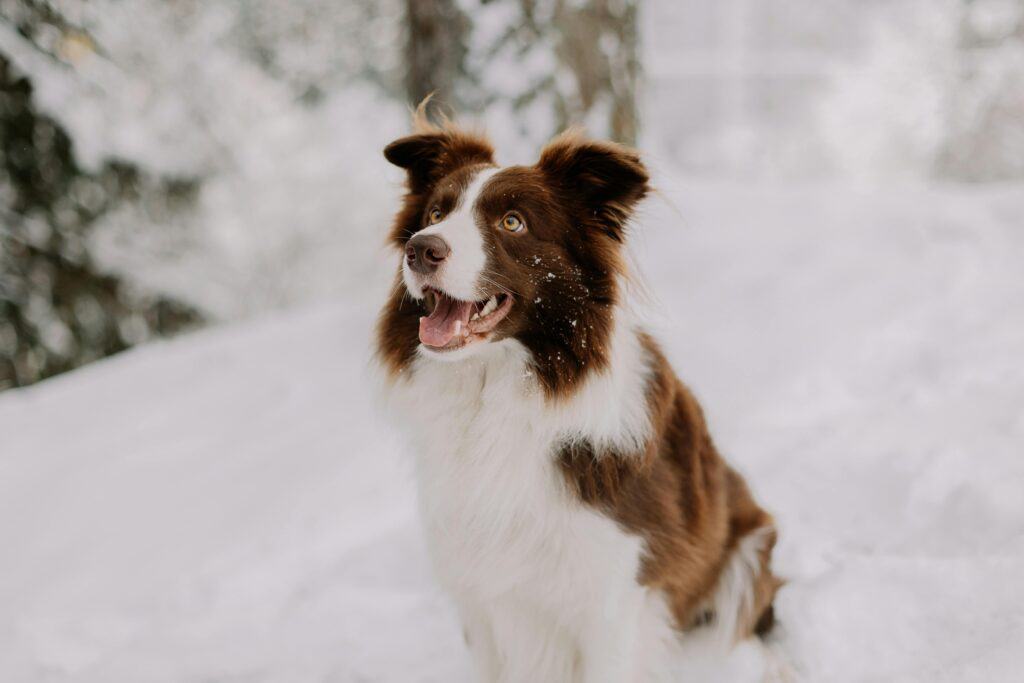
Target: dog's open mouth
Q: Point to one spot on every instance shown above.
(453, 323)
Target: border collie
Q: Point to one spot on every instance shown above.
(575, 506)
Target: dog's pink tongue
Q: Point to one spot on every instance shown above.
(439, 327)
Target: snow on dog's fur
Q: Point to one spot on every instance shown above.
(575, 505)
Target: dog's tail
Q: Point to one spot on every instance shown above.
(741, 605)
(742, 602)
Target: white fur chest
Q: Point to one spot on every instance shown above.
(498, 515)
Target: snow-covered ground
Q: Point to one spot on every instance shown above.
(229, 507)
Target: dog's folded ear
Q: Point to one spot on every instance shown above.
(417, 154)
(608, 178)
(429, 156)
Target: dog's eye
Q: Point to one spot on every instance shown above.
(512, 223)
(435, 215)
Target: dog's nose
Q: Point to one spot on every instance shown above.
(426, 252)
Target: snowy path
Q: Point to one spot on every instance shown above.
(228, 507)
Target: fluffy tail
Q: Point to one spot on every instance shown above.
(741, 605)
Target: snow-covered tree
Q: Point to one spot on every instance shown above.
(206, 143)
(535, 66)
(549, 64)
(57, 309)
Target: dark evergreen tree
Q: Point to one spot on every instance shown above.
(56, 310)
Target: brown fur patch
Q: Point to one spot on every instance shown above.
(398, 329)
(603, 180)
(561, 271)
(690, 507)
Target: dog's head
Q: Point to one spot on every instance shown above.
(524, 253)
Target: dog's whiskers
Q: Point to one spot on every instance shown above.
(504, 288)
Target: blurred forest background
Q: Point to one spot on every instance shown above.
(166, 164)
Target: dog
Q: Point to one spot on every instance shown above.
(575, 506)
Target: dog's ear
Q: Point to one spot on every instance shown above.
(609, 179)
(429, 156)
(418, 155)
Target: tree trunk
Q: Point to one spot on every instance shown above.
(597, 40)
(435, 50)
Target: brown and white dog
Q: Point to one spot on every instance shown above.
(575, 505)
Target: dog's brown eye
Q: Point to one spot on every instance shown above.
(435, 215)
(512, 223)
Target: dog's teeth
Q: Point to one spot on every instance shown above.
(458, 327)
(476, 316)
(492, 303)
